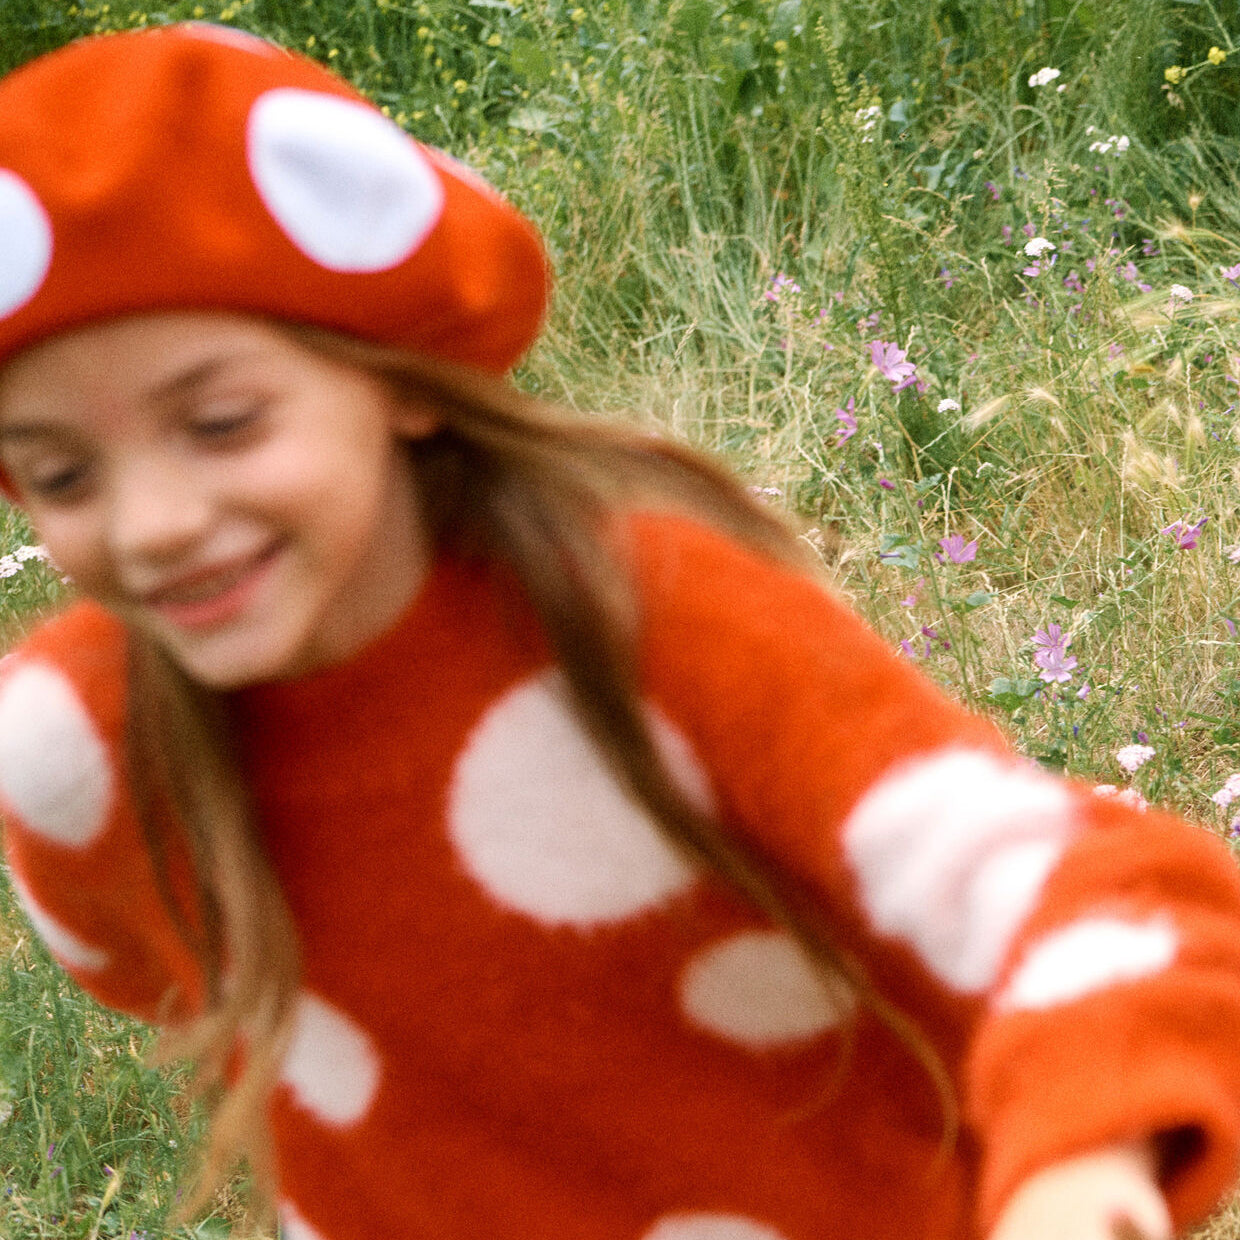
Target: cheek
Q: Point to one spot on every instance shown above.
(78, 549)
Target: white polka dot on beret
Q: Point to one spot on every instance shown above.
(346, 185)
(26, 253)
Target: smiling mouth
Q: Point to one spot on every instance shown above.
(211, 597)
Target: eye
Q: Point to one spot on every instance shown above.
(61, 485)
(225, 422)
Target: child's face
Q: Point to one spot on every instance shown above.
(244, 501)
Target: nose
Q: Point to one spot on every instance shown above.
(158, 511)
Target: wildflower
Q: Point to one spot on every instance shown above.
(1126, 796)
(1174, 74)
(869, 323)
(1216, 55)
(886, 484)
(956, 550)
(1117, 142)
(1054, 662)
(893, 364)
(1007, 234)
(1038, 246)
(1177, 292)
(1231, 273)
(1150, 248)
(994, 191)
(1072, 282)
(1228, 792)
(1114, 350)
(1233, 553)
(1084, 691)
(781, 283)
(766, 493)
(846, 417)
(1043, 77)
(1133, 757)
(947, 405)
(1185, 535)
(867, 119)
(910, 600)
(946, 277)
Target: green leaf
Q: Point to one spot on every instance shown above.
(530, 60)
(979, 598)
(1010, 694)
(1069, 603)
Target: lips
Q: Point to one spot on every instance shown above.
(211, 596)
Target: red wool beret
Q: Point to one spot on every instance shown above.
(195, 166)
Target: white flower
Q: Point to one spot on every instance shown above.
(28, 552)
(9, 567)
(1117, 142)
(947, 405)
(1128, 796)
(1177, 292)
(1228, 792)
(1233, 554)
(1038, 246)
(1131, 757)
(867, 118)
(1043, 77)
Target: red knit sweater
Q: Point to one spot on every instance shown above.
(525, 1015)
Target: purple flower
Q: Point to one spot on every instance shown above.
(946, 277)
(886, 484)
(1051, 656)
(1231, 273)
(847, 420)
(1185, 535)
(1072, 282)
(1007, 234)
(893, 364)
(956, 550)
(994, 190)
(1029, 229)
(781, 283)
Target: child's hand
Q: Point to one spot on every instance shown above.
(1090, 1198)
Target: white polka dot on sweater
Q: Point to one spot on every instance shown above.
(543, 827)
(294, 1227)
(1087, 956)
(331, 1065)
(710, 1227)
(54, 769)
(347, 186)
(761, 989)
(71, 951)
(25, 243)
(951, 852)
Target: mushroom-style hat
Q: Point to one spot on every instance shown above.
(197, 167)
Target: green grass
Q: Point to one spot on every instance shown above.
(876, 167)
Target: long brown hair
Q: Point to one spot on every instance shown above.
(506, 477)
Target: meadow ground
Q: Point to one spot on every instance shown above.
(955, 284)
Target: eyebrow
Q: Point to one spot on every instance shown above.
(179, 385)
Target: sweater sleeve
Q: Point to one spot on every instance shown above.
(1076, 961)
(77, 857)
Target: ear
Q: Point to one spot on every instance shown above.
(412, 417)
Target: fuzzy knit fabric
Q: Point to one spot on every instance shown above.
(526, 1015)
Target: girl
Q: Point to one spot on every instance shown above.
(493, 801)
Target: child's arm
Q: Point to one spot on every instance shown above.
(77, 858)
(1110, 1194)
(1075, 962)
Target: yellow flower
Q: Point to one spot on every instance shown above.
(460, 86)
(311, 41)
(1174, 74)
(1216, 55)
(495, 40)
(781, 46)
(577, 15)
